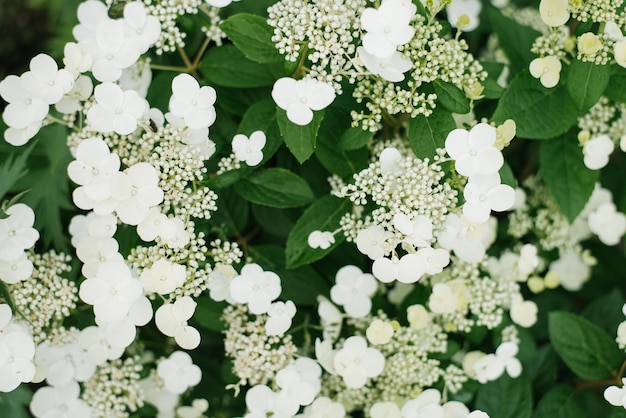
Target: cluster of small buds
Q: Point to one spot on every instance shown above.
(168, 12)
(46, 298)
(556, 43)
(225, 252)
(213, 31)
(598, 119)
(327, 28)
(454, 377)
(256, 356)
(595, 10)
(525, 16)
(113, 391)
(510, 334)
(228, 163)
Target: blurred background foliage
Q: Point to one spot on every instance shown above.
(29, 27)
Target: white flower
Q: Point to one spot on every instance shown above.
(528, 260)
(554, 12)
(145, 28)
(46, 81)
(196, 410)
(372, 241)
(492, 366)
(330, 318)
(607, 223)
(155, 393)
(255, 287)
(219, 283)
(20, 136)
(524, 313)
(355, 362)
(473, 151)
(478, 414)
(250, 149)
(136, 190)
(379, 332)
(219, 3)
(596, 151)
(418, 231)
(442, 299)
(426, 405)
(436, 259)
(385, 410)
(319, 239)
(408, 269)
(17, 350)
(387, 27)
(468, 240)
(76, 59)
(16, 270)
(171, 319)
(484, 193)
(71, 102)
(418, 316)
(324, 407)
(95, 251)
(163, 277)
(390, 69)
(619, 52)
(616, 396)
(94, 168)
(90, 14)
(64, 362)
(571, 270)
(116, 110)
(299, 384)
(99, 349)
(353, 290)
(59, 401)
(192, 103)
(279, 317)
(470, 8)
(547, 70)
(389, 160)
(111, 49)
(178, 372)
(261, 402)
(16, 232)
(112, 291)
(300, 97)
(24, 108)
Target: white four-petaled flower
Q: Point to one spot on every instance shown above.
(299, 98)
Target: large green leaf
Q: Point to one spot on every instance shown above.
(354, 138)
(606, 311)
(515, 39)
(301, 285)
(426, 134)
(451, 97)
(559, 402)
(586, 349)
(569, 181)
(13, 168)
(253, 36)
(616, 90)
(586, 82)
(505, 398)
(227, 66)
(538, 112)
(323, 215)
(275, 187)
(300, 140)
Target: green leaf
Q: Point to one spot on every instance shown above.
(515, 40)
(451, 97)
(208, 313)
(300, 140)
(586, 349)
(49, 186)
(338, 161)
(232, 213)
(559, 402)
(227, 66)
(253, 36)
(505, 398)
(585, 83)
(542, 369)
(14, 168)
(15, 403)
(569, 181)
(426, 134)
(354, 138)
(275, 187)
(606, 311)
(506, 175)
(539, 113)
(301, 285)
(616, 90)
(323, 215)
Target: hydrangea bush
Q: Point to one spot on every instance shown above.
(318, 208)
